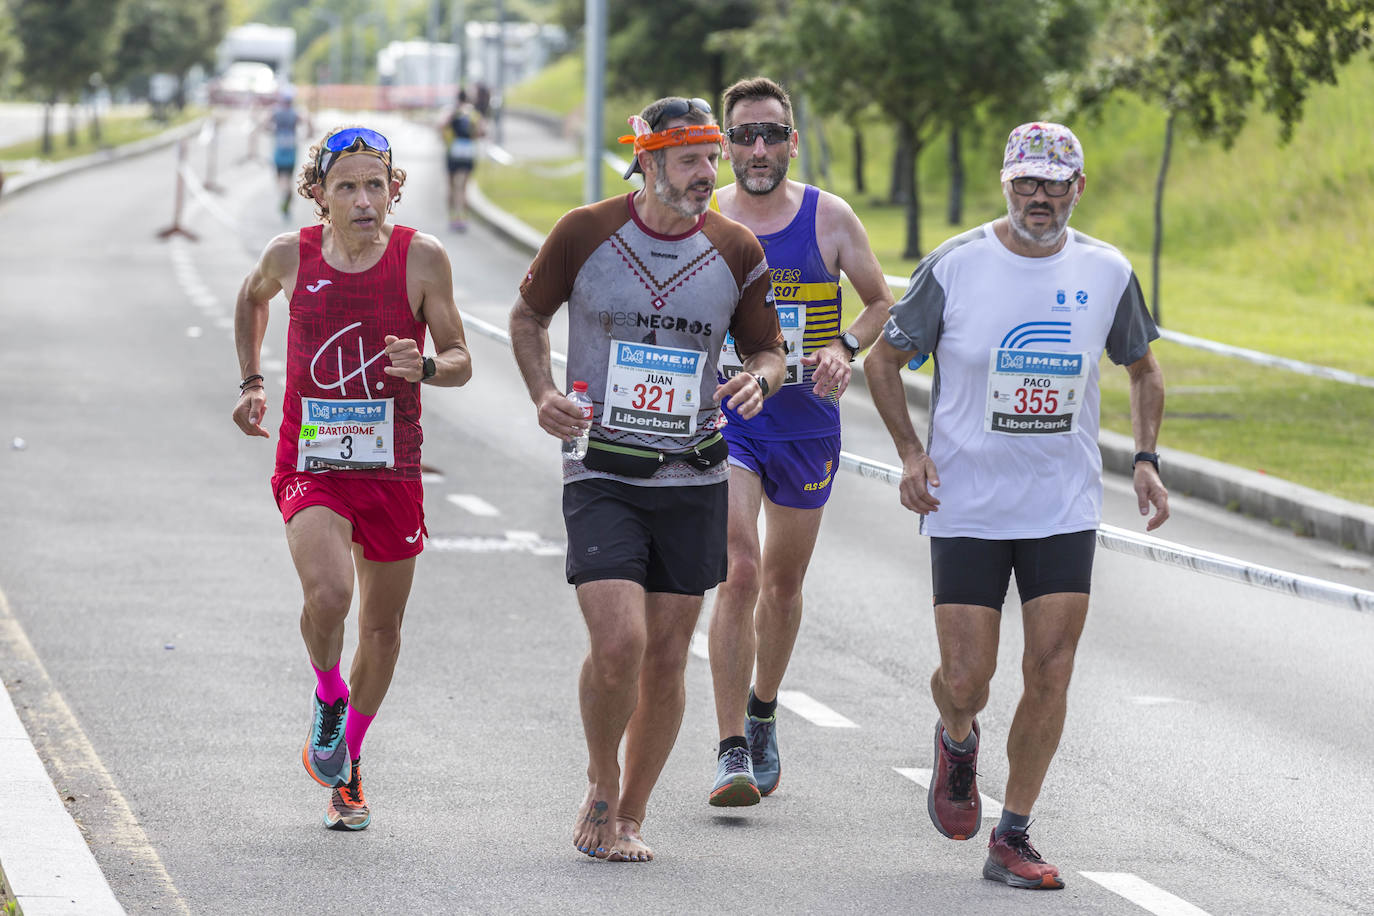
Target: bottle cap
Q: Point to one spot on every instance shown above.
(579, 386)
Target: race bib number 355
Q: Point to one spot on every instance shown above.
(652, 389)
(1032, 392)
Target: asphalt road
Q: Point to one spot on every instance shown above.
(1214, 755)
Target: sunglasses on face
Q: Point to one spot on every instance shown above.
(352, 140)
(677, 108)
(746, 134)
(1026, 187)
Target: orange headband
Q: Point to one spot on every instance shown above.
(675, 136)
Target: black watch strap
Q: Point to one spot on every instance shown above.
(763, 383)
(428, 368)
(1152, 457)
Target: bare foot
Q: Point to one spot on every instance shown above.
(629, 845)
(593, 832)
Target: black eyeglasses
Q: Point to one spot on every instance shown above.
(746, 134)
(352, 140)
(1027, 187)
(677, 108)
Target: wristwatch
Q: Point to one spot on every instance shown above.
(851, 343)
(429, 368)
(1152, 457)
(763, 383)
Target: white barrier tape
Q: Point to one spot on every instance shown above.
(1221, 349)
(204, 199)
(1110, 537)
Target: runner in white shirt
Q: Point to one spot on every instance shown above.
(1016, 314)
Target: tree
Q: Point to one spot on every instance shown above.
(64, 44)
(167, 36)
(1208, 63)
(923, 66)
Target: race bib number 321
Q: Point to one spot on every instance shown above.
(1033, 392)
(652, 389)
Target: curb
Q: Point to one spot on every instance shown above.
(46, 863)
(1307, 512)
(44, 173)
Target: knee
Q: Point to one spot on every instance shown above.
(382, 641)
(783, 594)
(967, 687)
(326, 603)
(616, 660)
(1048, 673)
(743, 573)
(666, 660)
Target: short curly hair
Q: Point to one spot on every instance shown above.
(310, 175)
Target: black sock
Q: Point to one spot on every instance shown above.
(1011, 821)
(733, 741)
(759, 709)
(960, 748)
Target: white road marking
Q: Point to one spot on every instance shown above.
(193, 331)
(473, 504)
(699, 646)
(921, 776)
(1143, 894)
(814, 711)
(536, 546)
(1154, 701)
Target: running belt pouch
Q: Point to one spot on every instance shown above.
(706, 455)
(623, 460)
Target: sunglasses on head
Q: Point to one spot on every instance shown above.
(677, 108)
(746, 134)
(352, 140)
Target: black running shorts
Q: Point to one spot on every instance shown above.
(977, 571)
(668, 539)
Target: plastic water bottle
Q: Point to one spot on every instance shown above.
(577, 448)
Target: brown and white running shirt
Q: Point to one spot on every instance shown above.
(647, 315)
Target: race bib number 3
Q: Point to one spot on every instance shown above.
(652, 389)
(1033, 392)
(344, 435)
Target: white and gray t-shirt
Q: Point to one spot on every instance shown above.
(1014, 409)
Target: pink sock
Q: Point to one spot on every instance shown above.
(355, 728)
(331, 685)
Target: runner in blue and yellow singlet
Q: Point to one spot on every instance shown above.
(783, 460)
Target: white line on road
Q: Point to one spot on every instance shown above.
(473, 504)
(814, 711)
(699, 644)
(921, 776)
(1143, 894)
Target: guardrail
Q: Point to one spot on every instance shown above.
(1108, 536)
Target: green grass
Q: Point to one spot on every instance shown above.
(115, 131)
(1266, 247)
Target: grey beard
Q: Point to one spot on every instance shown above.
(1046, 239)
(762, 184)
(676, 200)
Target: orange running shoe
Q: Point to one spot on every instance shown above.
(325, 755)
(347, 808)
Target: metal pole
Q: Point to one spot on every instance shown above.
(595, 36)
(500, 71)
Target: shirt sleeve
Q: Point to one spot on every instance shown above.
(755, 322)
(914, 321)
(1132, 328)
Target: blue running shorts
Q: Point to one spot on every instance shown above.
(795, 473)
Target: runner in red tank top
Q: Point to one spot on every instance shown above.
(347, 480)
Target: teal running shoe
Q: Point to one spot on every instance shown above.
(763, 752)
(325, 755)
(735, 786)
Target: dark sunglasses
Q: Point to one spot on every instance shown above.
(677, 108)
(352, 140)
(1027, 187)
(746, 134)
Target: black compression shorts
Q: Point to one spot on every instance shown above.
(668, 539)
(977, 571)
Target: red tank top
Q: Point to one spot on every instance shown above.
(334, 352)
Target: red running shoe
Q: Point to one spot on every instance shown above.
(952, 800)
(347, 809)
(1013, 860)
